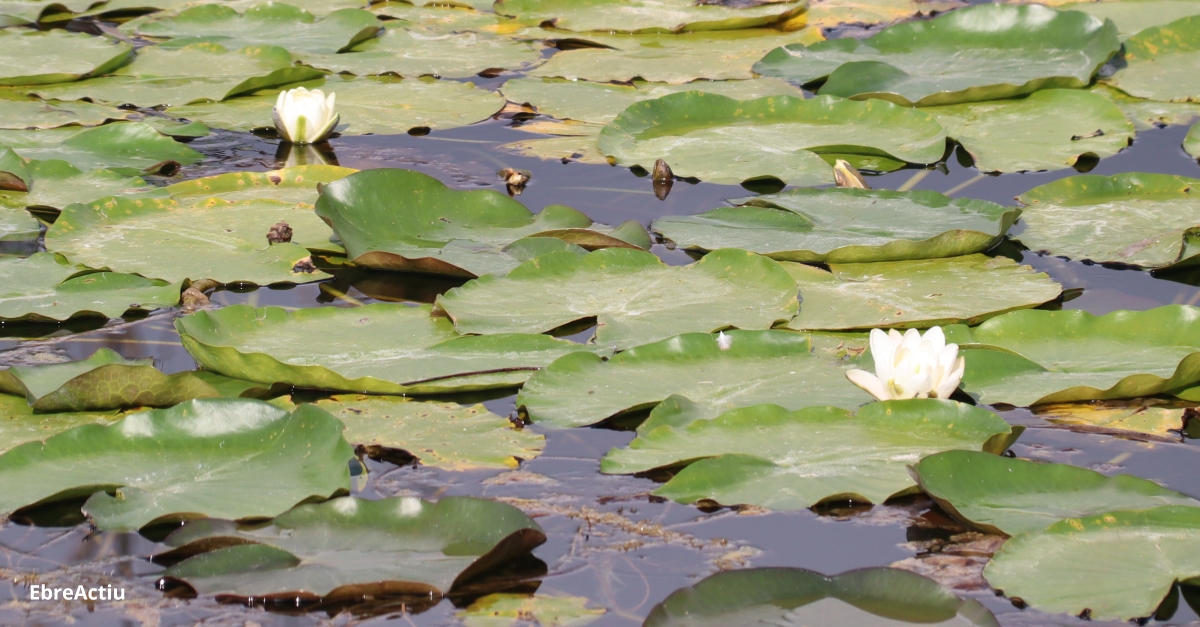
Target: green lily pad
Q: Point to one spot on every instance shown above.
(349, 548)
(634, 296)
(16, 224)
(977, 53)
(1131, 218)
(1191, 143)
(380, 105)
(506, 610)
(1118, 565)
(38, 114)
(1010, 496)
(194, 73)
(682, 58)
(47, 288)
(1034, 357)
(1148, 114)
(768, 456)
(915, 294)
(128, 148)
(599, 103)
(18, 423)
(376, 349)
(777, 367)
(56, 56)
(419, 53)
(199, 458)
(1161, 419)
(1047, 130)
(441, 435)
(403, 220)
(267, 24)
(721, 140)
(879, 597)
(831, 13)
(214, 239)
(1134, 16)
(1160, 62)
(101, 382)
(296, 185)
(844, 225)
(580, 148)
(25, 12)
(647, 16)
(55, 184)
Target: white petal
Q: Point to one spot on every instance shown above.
(912, 339)
(870, 383)
(937, 337)
(883, 351)
(950, 381)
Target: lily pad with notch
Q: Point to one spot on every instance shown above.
(722, 140)
(225, 241)
(779, 367)
(648, 16)
(34, 57)
(439, 435)
(197, 459)
(266, 24)
(767, 456)
(406, 221)
(1050, 129)
(103, 381)
(1159, 62)
(377, 349)
(348, 548)
(1011, 496)
(45, 287)
(1118, 565)
(915, 294)
(1035, 357)
(128, 148)
(634, 297)
(844, 225)
(1132, 218)
(984, 52)
(880, 597)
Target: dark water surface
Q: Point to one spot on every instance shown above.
(608, 540)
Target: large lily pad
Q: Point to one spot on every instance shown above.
(1011, 496)
(379, 349)
(26, 12)
(1047, 130)
(201, 457)
(831, 13)
(403, 220)
(721, 140)
(1116, 565)
(1160, 62)
(38, 114)
(18, 423)
(880, 597)
(1134, 16)
(671, 58)
(194, 73)
(440, 435)
(412, 52)
(1132, 218)
(47, 288)
(296, 184)
(777, 367)
(981, 52)
(381, 105)
(126, 148)
(844, 225)
(55, 184)
(101, 382)
(1034, 357)
(213, 239)
(269, 24)
(647, 16)
(634, 297)
(599, 103)
(916, 294)
(56, 56)
(349, 548)
(768, 456)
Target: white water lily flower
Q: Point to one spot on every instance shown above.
(724, 341)
(911, 366)
(305, 117)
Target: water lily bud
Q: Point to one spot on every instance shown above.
(911, 366)
(724, 341)
(305, 117)
(846, 175)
